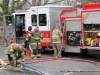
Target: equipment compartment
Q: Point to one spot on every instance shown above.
(74, 38)
(92, 35)
(91, 27)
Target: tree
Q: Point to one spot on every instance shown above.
(43, 2)
(20, 4)
(68, 2)
(48, 2)
(89, 1)
(5, 8)
(9, 6)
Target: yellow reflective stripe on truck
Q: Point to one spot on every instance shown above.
(86, 16)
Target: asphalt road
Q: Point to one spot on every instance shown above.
(67, 67)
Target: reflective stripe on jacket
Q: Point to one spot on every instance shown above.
(56, 36)
(35, 37)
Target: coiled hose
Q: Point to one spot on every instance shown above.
(56, 58)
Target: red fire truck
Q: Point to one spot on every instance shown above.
(82, 31)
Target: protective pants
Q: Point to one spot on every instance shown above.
(18, 59)
(56, 48)
(11, 62)
(36, 51)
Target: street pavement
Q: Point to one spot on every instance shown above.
(66, 67)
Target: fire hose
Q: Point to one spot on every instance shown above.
(52, 58)
(55, 58)
(27, 68)
(32, 70)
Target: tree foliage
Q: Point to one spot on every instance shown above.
(9, 6)
(89, 1)
(4, 5)
(43, 2)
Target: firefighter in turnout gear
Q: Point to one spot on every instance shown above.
(56, 40)
(15, 53)
(35, 38)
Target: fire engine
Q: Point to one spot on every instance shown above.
(81, 31)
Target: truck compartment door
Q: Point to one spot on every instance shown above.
(73, 31)
(91, 17)
(9, 28)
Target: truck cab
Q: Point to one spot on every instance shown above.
(14, 27)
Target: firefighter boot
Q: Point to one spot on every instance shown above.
(39, 56)
(11, 63)
(18, 65)
(39, 53)
(18, 62)
(33, 56)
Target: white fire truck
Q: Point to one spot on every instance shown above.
(81, 32)
(16, 25)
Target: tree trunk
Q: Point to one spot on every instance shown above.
(39, 3)
(34, 2)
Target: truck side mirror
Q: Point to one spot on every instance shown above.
(29, 28)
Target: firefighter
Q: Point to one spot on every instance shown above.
(15, 53)
(98, 40)
(35, 37)
(56, 40)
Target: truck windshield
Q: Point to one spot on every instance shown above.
(9, 20)
(34, 20)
